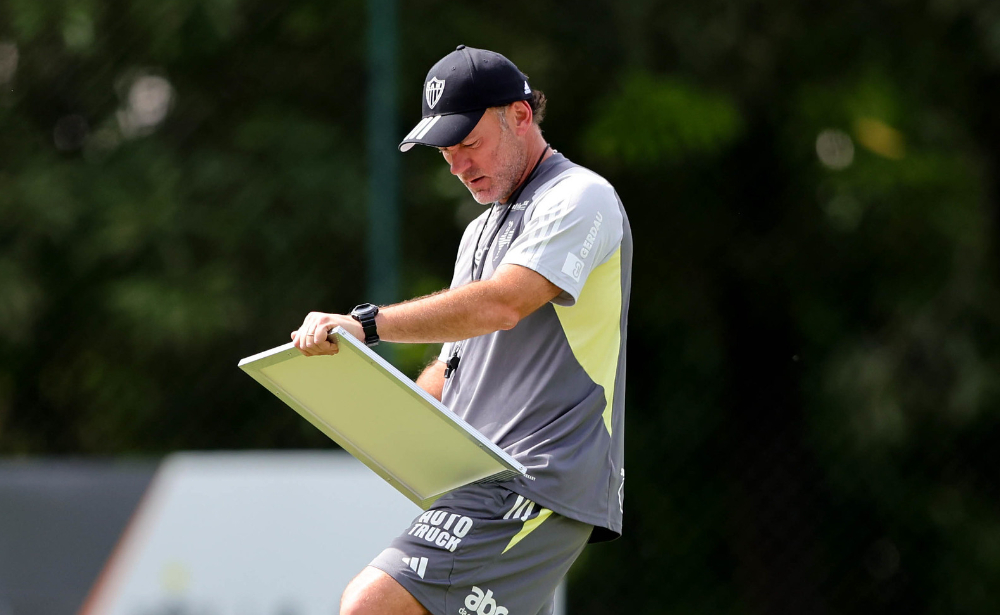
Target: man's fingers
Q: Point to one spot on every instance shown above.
(315, 350)
(308, 346)
(312, 339)
(319, 336)
(303, 341)
(306, 332)
(297, 340)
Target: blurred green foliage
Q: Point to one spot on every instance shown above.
(648, 122)
(814, 413)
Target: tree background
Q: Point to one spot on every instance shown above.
(813, 402)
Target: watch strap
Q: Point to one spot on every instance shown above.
(365, 314)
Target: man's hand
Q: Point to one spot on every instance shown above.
(311, 338)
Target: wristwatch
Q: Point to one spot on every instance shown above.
(365, 314)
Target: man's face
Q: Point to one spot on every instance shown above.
(490, 161)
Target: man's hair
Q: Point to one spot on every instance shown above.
(537, 104)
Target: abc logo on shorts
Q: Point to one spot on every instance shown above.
(481, 604)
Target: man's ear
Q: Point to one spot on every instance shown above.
(522, 116)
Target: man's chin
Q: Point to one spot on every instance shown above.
(483, 197)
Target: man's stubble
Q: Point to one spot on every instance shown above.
(512, 159)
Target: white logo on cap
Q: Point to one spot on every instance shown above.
(527, 90)
(433, 91)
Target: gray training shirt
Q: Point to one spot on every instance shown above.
(551, 390)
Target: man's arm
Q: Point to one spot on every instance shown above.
(432, 379)
(460, 313)
(475, 309)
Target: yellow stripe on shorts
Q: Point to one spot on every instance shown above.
(529, 526)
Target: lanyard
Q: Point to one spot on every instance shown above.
(452, 363)
(510, 204)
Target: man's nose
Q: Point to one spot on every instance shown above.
(459, 163)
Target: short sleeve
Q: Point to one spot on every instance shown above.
(446, 349)
(574, 227)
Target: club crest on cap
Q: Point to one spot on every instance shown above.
(433, 91)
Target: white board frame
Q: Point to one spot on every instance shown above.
(482, 462)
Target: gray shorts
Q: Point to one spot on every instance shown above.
(485, 550)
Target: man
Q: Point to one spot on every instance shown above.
(533, 328)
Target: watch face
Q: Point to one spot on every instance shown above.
(365, 309)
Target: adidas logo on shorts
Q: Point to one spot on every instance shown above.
(482, 604)
(417, 564)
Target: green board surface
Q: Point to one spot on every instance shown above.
(383, 418)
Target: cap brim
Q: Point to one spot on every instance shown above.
(442, 130)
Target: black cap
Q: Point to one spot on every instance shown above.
(457, 92)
